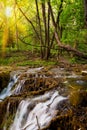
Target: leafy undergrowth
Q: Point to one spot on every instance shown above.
(25, 58)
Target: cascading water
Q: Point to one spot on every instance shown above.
(6, 116)
(18, 87)
(7, 91)
(36, 113)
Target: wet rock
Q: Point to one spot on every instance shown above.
(84, 72)
(74, 119)
(7, 114)
(36, 84)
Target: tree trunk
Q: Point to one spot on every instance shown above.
(48, 35)
(57, 24)
(46, 20)
(85, 10)
(45, 26)
(41, 39)
(16, 26)
(58, 19)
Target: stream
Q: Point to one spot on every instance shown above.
(36, 112)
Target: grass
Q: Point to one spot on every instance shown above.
(36, 63)
(11, 60)
(29, 56)
(24, 58)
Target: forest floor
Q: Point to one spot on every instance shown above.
(32, 59)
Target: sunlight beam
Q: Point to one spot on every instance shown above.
(8, 11)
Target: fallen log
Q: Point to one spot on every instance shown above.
(70, 49)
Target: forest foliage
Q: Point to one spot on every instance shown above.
(44, 25)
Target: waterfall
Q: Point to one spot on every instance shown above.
(36, 113)
(18, 87)
(7, 91)
(6, 116)
(15, 75)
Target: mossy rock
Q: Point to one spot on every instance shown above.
(37, 84)
(79, 98)
(74, 119)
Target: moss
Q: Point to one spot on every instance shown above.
(36, 84)
(79, 98)
(3, 107)
(8, 121)
(36, 63)
(7, 118)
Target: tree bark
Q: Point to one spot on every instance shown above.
(57, 24)
(46, 20)
(58, 19)
(85, 11)
(41, 39)
(48, 36)
(45, 25)
(16, 26)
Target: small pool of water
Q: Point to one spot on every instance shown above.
(77, 83)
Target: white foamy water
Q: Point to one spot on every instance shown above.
(18, 87)
(34, 70)
(36, 113)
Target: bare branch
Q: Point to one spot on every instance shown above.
(38, 123)
(28, 21)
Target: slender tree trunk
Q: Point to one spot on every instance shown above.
(53, 21)
(46, 20)
(65, 47)
(57, 23)
(16, 26)
(58, 19)
(39, 21)
(85, 10)
(45, 25)
(48, 35)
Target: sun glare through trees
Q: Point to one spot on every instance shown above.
(11, 24)
(8, 11)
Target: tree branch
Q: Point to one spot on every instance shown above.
(28, 21)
